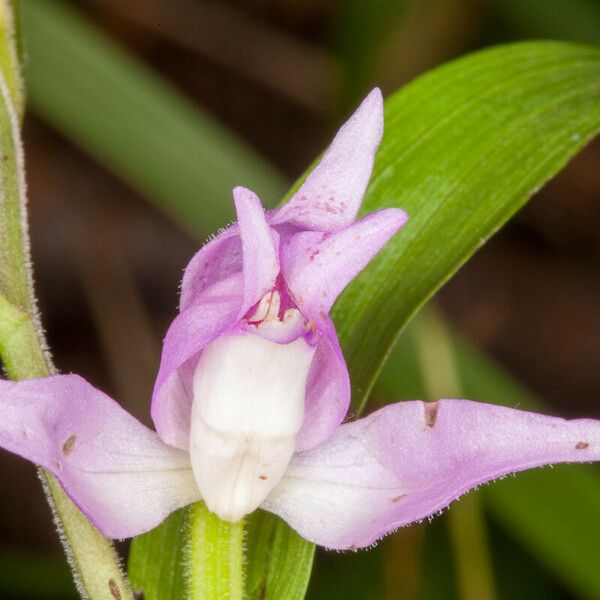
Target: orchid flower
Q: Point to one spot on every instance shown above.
(253, 389)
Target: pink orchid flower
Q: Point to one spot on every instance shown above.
(253, 388)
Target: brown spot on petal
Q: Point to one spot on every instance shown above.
(431, 413)
(68, 446)
(323, 315)
(114, 589)
(581, 446)
(263, 477)
(311, 326)
(398, 498)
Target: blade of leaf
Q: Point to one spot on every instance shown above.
(155, 559)
(554, 513)
(464, 147)
(279, 560)
(134, 122)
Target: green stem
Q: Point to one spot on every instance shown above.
(9, 56)
(92, 558)
(214, 556)
(20, 349)
(465, 518)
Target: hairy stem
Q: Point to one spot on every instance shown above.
(214, 556)
(22, 345)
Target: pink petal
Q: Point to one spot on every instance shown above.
(200, 323)
(119, 473)
(409, 460)
(217, 260)
(318, 266)
(331, 195)
(248, 245)
(260, 259)
(327, 390)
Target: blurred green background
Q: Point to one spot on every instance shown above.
(142, 116)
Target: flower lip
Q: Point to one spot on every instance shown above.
(249, 395)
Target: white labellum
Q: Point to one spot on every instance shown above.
(248, 407)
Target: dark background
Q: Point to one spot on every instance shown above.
(107, 264)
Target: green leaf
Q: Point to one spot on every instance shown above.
(193, 554)
(156, 559)
(279, 560)
(134, 122)
(464, 147)
(554, 513)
